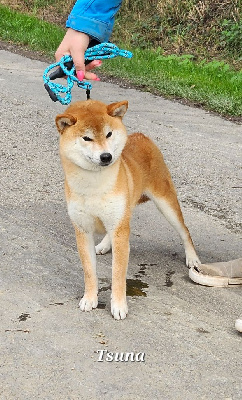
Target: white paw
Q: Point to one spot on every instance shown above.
(102, 248)
(88, 303)
(192, 261)
(119, 310)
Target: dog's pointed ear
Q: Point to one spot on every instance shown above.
(117, 109)
(64, 120)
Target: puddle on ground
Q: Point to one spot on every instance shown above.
(169, 282)
(135, 287)
(141, 271)
(104, 288)
(101, 305)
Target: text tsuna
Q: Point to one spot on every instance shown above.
(105, 355)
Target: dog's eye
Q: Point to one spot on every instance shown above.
(109, 134)
(87, 139)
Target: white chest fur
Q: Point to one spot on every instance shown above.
(93, 197)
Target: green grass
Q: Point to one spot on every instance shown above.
(30, 31)
(214, 85)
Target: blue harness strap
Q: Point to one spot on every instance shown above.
(62, 93)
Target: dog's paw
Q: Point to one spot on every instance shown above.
(88, 303)
(103, 247)
(193, 261)
(119, 310)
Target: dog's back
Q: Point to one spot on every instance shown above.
(145, 164)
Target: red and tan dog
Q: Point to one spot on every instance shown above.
(108, 173)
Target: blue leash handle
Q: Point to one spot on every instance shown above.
(101, 51)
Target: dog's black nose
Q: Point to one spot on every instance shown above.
(106, 158)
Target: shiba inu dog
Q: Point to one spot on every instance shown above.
(107, 173)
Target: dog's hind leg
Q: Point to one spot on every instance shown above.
(104, 246)
(86, 249)
(168, 204)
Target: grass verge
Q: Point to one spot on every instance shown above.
(213, 85)
(28, 30)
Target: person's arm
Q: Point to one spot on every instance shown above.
(88, 19)
(94, 17)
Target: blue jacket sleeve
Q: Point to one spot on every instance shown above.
(94, 17)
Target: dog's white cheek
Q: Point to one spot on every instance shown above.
(73, 151)
(78, 154)
(118, 143)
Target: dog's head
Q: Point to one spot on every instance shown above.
(92, 134)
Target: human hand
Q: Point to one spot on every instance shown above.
(75, 44)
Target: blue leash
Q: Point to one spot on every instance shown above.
(66, 68)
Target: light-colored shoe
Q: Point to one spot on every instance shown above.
(219, 274)
(238, 325)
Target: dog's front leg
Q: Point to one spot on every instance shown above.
(120, 246)
(86, 249)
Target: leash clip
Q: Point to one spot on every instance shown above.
(88, 93)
